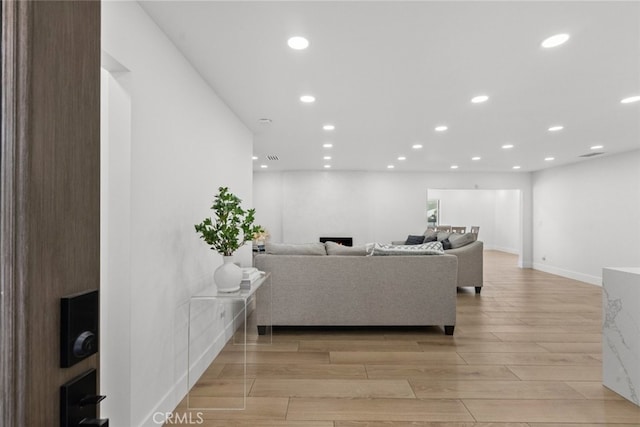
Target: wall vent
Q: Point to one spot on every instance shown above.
(590, 154)
(272, 157)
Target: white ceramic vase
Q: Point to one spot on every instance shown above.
(228, 276)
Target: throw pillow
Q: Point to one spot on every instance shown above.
(334, 248)
(460, 240)
(414, 240)
(446, 244)
(295, 249)
(443, 235)
(431, 248)
(429, 232)
(432, 238)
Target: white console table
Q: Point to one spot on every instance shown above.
(621, 332)
(230, 302)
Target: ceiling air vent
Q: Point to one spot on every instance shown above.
(591, 154)
(272, 157)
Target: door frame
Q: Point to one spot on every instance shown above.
(15, 47)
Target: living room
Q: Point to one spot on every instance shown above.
(173, 139)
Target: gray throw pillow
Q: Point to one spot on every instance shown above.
(295, 248)
(428, 239)
(443, 235)
(459, 240)
(334, 248)
(430, 233)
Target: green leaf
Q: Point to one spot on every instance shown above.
(224, 235)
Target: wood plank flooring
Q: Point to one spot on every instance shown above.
(526, 353)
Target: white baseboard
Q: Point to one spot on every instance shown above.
(501, 249)
(179, 389)
(592, 280)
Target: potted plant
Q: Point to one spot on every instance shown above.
(232, 228)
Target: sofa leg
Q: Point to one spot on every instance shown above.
(448, 329)
(478, 289)
(262, 329)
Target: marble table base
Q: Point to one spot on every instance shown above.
(621, 332)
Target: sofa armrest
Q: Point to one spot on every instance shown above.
(470, 268)
(398, 242)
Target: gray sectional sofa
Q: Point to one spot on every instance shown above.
(312, 287)
(469, 252)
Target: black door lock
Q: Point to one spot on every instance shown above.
(79, 324)
(85, 344)
(79, 402)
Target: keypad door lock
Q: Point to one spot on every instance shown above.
(79, 324)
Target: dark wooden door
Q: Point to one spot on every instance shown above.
(50, 200)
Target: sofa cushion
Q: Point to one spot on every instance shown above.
(460, 240)
(432, 238)
(295, 249)
(414, 240)
(431, 248)
(334, 248)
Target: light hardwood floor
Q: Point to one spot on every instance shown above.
(526, 352)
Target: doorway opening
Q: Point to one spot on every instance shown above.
(498, 213)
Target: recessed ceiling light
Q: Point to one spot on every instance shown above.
(327, 166)
(479, 99)
(554, 41)
(327, 145)
(596, 147)
(441, 128)
(298, 43)
(555, 128)
(401, 158)
(516, 167)
(416, 146)
(307, 99)
(549, 159)
(264, 121)
(327, 157)
(254, 157)
(390, 166)
(264, 166)
(328, 127)
(507, 146)
(476, 158)
(454, 166)
(631, 99)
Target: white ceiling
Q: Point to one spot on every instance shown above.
(387, 73)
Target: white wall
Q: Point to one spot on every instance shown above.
(368, 206)
(184, 144)
(115, 251)
(496, 212)
(587, 216)
(506, 229)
